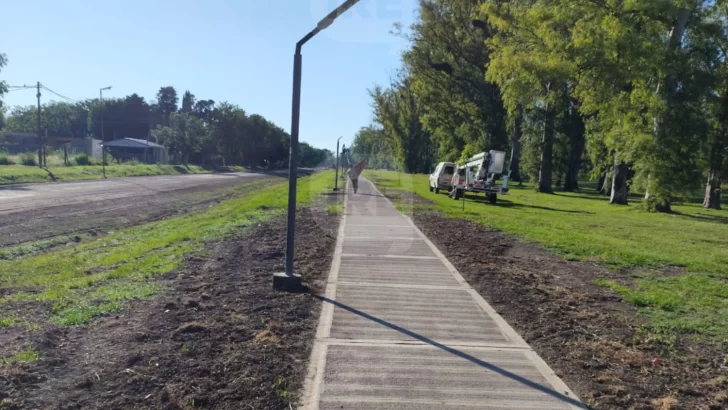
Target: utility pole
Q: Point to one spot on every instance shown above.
(288, 279)
(103, 140)
(101, 111)
(40, 139)
(336, 179)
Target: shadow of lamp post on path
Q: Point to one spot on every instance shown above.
(289, 280)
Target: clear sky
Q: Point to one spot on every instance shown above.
(240, 51)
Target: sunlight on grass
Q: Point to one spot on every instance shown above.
(335, 209)
(583, 226)
(21, 174)
(97, 278)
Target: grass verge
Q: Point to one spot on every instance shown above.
(100, 277)
(583, 226)
(20, 174)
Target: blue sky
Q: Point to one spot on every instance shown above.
(239, 51)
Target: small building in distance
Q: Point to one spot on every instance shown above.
(126, 149)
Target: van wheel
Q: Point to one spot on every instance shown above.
(430, 186)
(492, 198)
(437, 190)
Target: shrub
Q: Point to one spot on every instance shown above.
(5, 159)
(28, 159)
(82, 159)
(132, 161)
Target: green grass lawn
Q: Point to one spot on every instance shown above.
(583, 226)
(99, 277)
(22, 174)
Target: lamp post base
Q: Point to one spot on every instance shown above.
(283, 281)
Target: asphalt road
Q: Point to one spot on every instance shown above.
(20, 198)
(42, 211)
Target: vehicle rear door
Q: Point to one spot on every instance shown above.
(447, 173)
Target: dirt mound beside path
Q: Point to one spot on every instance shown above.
(218, 337)
(592, 339)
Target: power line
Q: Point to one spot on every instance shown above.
(28, 87)
(60, 95)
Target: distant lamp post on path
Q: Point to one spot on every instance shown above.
(289, 280)
(103, 140)
(336, 179)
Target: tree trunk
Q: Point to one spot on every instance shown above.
(670, 83)
(619, 184)
(515, 162)
(545, 171)
(606, 188)
(712, 188)
(576, 149)
(712, 193)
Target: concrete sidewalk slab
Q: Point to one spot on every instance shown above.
(383, 246)
(425, 377)
(390, 271)
(401, 329)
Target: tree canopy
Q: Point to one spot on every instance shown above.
(199, 132)
(633, 93)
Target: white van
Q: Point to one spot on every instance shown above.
(441, 177)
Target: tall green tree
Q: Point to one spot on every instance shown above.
(59, 119)
(372, 145)
(128, 117)
(572, 126)
(167, 103)
(530, 62)
(184, 136)
(447, 63)
(710, 44)
(398, 111)
(204, 109)
(188, 102)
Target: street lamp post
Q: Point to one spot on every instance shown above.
(103, 140)
(288, 280)
(336, 179)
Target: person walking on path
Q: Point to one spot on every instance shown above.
(354, 173)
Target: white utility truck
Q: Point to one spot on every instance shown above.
(480, 174)
(441, 177)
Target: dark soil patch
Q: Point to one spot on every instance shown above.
(586, 333)
(218, 337)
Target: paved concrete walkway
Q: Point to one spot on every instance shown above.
(400, 328)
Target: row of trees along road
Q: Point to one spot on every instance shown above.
(633, 93)
(199, 131)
